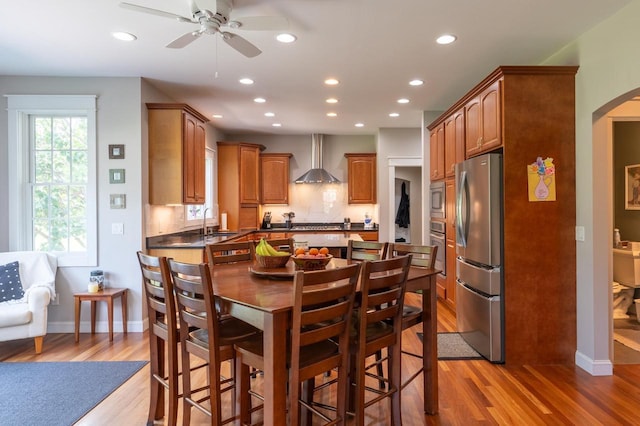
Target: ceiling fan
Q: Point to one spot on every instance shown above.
(214, 21)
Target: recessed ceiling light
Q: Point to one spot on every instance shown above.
(259, 100)
(246, 81)
(286, 38)
(416, 82)
(394, 114)
(331, 82)
(217, 116)
(269, 114)
(332, 101)
(277, 125)
(359, 124)
(446, 39)
(332, 114)
(403, 101)
(123, 36)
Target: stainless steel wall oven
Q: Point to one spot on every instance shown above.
(437, 193)
(437, 237)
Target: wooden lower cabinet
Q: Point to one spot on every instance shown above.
(181, 255)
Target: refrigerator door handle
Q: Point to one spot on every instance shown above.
(461, 213)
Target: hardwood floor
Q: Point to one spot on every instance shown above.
(471, 392)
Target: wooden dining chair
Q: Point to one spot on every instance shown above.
(322, 311)
(379, 326)
(207, 337)
(229, 252)
(423, 256)
(366, 250)
(163, 337)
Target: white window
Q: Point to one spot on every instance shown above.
(194, 213)
(52, 178)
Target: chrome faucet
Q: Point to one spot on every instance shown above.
(204, 222)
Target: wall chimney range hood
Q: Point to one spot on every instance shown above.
(317, 174)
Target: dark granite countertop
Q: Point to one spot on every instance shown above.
(194, 239)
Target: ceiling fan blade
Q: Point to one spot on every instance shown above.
(261, 23)
(151, 11)
(184, 40)
(240, 44)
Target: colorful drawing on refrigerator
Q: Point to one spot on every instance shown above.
(542, 180)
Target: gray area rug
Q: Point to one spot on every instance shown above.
(628, 337)
(451, 346)
(57, 393)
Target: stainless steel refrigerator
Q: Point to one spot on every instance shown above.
(479, 281)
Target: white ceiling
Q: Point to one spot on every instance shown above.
(374, 47)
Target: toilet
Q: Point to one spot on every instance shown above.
(626, 278)
(622, 300)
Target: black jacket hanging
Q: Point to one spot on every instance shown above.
(402, 217)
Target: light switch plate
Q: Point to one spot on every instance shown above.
(579, 233)
(117, 228)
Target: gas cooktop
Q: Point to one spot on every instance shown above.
(316, 228)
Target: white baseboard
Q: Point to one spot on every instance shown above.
(603, 367)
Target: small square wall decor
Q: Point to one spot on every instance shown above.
(116, 175)
(118, 201)
(116, 152)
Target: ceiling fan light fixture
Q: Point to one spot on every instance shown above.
(286, 38)
(123, 36)
(446, 39)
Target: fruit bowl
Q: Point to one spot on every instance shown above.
(311, 263)
(272, 261)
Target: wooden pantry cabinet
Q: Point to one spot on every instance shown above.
(176, 154)
(454, 142)
(274, 178)
(526, 112)
(437, 152)
(239, 184)
(362, 180)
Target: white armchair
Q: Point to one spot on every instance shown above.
(27, 317)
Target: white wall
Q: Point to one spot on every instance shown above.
(608, 75)
(118, 122)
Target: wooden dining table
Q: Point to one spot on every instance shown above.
(263, 298)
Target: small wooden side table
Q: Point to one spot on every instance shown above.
(107, 295)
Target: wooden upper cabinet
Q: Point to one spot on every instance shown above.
(437, 152)
(361, 173)
(249, 174)
(274, 178)
(483, 121)
(454, 151)
(238, 183)
(177, 140)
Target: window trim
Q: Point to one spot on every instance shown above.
(20, 107)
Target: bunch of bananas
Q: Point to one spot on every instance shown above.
(265, 249)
